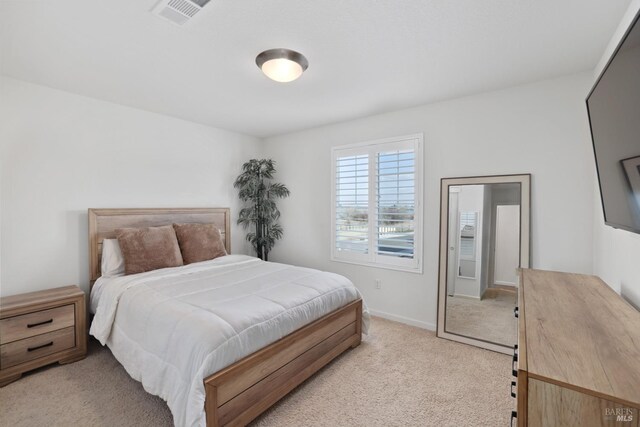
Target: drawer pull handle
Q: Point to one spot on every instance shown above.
(516, 312)
(33, 325)
(514, 372)
(40, 346)
(514, 414)
(513, 393)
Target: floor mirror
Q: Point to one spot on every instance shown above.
(484, 239)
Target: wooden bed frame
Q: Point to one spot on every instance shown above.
(239, 393)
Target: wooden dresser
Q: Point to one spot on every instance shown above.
(40, 328)
(577, 361)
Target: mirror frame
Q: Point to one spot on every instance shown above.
(525, 250)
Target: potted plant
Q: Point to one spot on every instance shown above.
(259, 193)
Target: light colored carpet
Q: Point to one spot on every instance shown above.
(490, 318)
(398, 376)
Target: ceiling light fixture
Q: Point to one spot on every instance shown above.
(282, 65)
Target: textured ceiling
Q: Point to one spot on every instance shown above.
(366, 56)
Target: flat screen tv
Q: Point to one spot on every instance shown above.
(614, 114)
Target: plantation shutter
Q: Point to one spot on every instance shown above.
(376, 213)
(396, 203)
(352, 203)
(467, 235)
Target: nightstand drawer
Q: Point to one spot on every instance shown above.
(22, 351)
(39, 322)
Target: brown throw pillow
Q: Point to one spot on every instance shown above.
(146, 249)
(199, 242)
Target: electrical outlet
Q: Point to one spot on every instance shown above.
(378, 284)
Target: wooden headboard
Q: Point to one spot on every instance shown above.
(103, 223)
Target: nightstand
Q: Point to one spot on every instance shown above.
(39, 328)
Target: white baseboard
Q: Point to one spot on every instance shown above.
(465, 296)
(503, 283)
(402, 319)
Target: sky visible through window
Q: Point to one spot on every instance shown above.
(395, 203)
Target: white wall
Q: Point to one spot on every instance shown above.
(62, 153)
(501, 194)
(507, 245)
(616, 252)
(539, 128)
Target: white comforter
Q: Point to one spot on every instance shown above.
(173, 327)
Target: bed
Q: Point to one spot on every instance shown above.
(221, 340)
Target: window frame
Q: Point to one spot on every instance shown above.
(372, 148)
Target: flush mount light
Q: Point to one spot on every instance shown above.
(282, 65)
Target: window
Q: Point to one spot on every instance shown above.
(377, 211)
(468, 224)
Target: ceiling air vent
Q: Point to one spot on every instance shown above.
(179, 11)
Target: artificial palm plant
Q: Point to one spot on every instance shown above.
(255, 188)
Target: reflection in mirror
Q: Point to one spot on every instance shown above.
(467, 244)
(483, 252)
(481, 305)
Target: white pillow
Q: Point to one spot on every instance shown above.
(112, 260)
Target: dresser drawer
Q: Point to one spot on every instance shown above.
(17, 352)
(39, 322)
